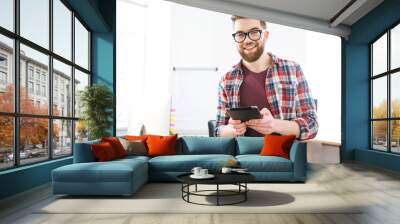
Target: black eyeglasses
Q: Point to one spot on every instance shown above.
(253, 35)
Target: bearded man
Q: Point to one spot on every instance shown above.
(276, 86)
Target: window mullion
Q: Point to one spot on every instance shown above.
(16, 84)
(50, 81)
(371, 142)
(73, 82)
(389, 106)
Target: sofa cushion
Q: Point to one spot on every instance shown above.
(185, 163)
(277, 145)
(249, 145)
(103, 152)
(116, 145)
(196, 145)
(161, 145)
(134, 137)
(134, 147)
(132, 158)
(112, 171)
(257, 163)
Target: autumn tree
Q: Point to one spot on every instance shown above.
(395, 123)
(380, 127)
(33, 131)
(6, 122)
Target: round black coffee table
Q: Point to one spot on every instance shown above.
(238, 179)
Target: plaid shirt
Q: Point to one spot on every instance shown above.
(287, 93)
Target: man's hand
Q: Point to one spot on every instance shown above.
(234, 128)
(238, 127)
(266, 125)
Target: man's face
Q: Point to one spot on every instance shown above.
(250, 50)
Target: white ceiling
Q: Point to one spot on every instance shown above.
(321, 9)
(316, 15)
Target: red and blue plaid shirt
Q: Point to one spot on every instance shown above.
(287, 93)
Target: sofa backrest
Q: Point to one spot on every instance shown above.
(194, 145)
(190, 145)
(83, 152)
(249, 145)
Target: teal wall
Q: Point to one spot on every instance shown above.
(24, 178)
(355, 124)
(99, 16)
(104, 52)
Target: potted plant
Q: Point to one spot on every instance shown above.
(96, 102)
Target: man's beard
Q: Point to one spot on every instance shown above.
(253, 56)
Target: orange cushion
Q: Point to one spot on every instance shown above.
(161, 145)
(135, 138)
(116, 145)
(277, 145)
(103, 152)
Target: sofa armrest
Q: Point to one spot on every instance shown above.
(298, 155)
(83, 152)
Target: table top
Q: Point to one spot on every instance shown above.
(220, 178)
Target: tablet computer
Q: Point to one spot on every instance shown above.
(244, 113)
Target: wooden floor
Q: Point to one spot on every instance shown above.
(377, 188)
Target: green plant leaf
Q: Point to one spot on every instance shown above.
(96, 102)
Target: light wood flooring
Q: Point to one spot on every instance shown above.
(377, 188)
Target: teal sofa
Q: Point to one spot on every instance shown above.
(125, 176)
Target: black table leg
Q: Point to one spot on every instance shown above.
(182, 189)
(217, 194)
(245, 193)
(188, 190)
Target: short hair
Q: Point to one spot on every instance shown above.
(235, 17)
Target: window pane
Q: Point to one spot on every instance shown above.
(7, 14)
(62, 138)
(81, 45)
(6, 74)
(395, 94)
(379, 135)
(81, 131)
(62, 89)
(62, 29)
(379, 55)
(33, 140)
(379, 98)
(6, 142)
(81, 81)
(34, 97)
(395, 136)
(395, 47)
(35, 21)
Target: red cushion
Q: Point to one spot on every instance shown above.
(116, 145)
(161, 145)
(103, 152)
(277, 145)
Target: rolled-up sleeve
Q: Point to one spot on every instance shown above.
(222, 119)
(306, 116)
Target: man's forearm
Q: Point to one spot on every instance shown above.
(285, 127)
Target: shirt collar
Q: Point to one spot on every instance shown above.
(239, 65)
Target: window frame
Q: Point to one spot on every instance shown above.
(15, 72)
(388, 74)
(3, 71)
